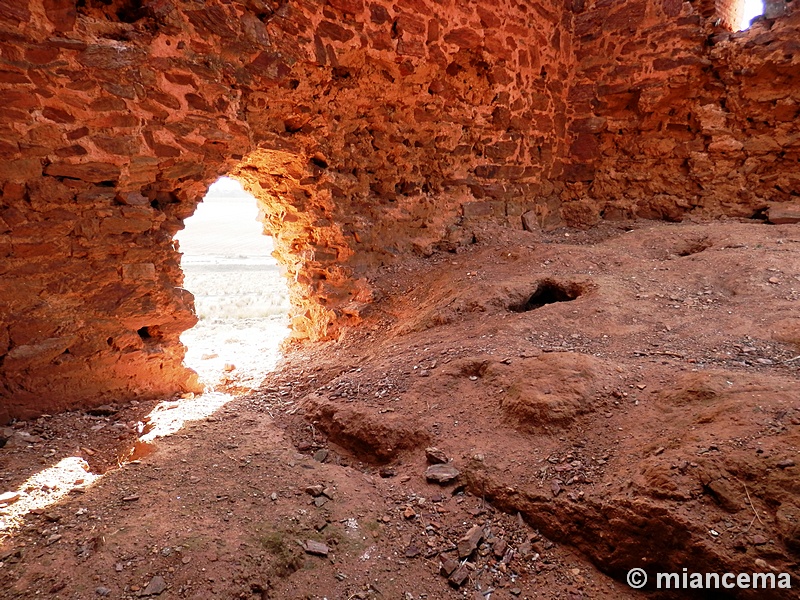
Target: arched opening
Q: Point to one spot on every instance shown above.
(241, 298)
(750, 9)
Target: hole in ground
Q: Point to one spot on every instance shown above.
(549, 292)
(241, 298)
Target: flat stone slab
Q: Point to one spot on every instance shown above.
(442, 473)
(316, 548)
(783, 214)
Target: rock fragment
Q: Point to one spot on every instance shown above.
(435, 456)
(9, 497)
(783, 214)
(442, 473)
(155, 587)
(448, 565)
(469, 542)
(315, 548)
(315, 490)
(459, 576)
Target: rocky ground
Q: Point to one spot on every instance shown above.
(602, 400)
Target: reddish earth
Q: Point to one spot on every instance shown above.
(646, 417)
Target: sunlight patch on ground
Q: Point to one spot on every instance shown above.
(169, 416)
(44, 489)
(240, 295)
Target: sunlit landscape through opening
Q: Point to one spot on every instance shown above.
(240, 295)
(752, 9)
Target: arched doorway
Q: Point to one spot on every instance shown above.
(241, 298)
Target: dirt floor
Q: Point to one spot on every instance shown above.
(624, 397)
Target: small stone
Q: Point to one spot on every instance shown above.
(786, 463)
(155, 587)
(387, 472)
(435, 456)
(53, 538)
(469, 542)
(102, 591)
(229, 367)
(759, 540)
(499, 548)
(273, 496)
(315, 490)
(186, 560)
(525, 549)
(118, 567)
(132, 498)
(530, 221)
(412, 551)
(442, 473)
(515, 591)
(320, 501)
(316, 548)
(409, 513)
(9, 497)
(459, 576)
(448, 566)
(774, 280)
(321, 455)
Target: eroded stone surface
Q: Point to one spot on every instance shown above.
(367, 131)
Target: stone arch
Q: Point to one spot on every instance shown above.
(344, 118)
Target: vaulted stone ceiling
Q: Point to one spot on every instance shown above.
(367, 130)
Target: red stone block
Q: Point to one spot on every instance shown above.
(335, 32)
(463, 37)
(349, 6)
(57, 115)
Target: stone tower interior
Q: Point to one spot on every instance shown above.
(380, 136)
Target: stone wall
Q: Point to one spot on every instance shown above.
(671, 113)
(365, 129)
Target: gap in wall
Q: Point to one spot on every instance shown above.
(241, 297)
(750, 10)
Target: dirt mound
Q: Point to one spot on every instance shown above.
(368, 435)
(552, 389)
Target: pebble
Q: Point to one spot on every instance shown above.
(786, 463)
(315, 490)
(321, 455)
(435, 456)
(448, 566)
(442, 473)
(315, 548)
(459, 576)
(155, 587)
(9, 497)
(469, 542)
(102, 591)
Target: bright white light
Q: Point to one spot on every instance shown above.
(240, 295)
(169, 416)
(752, 8)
